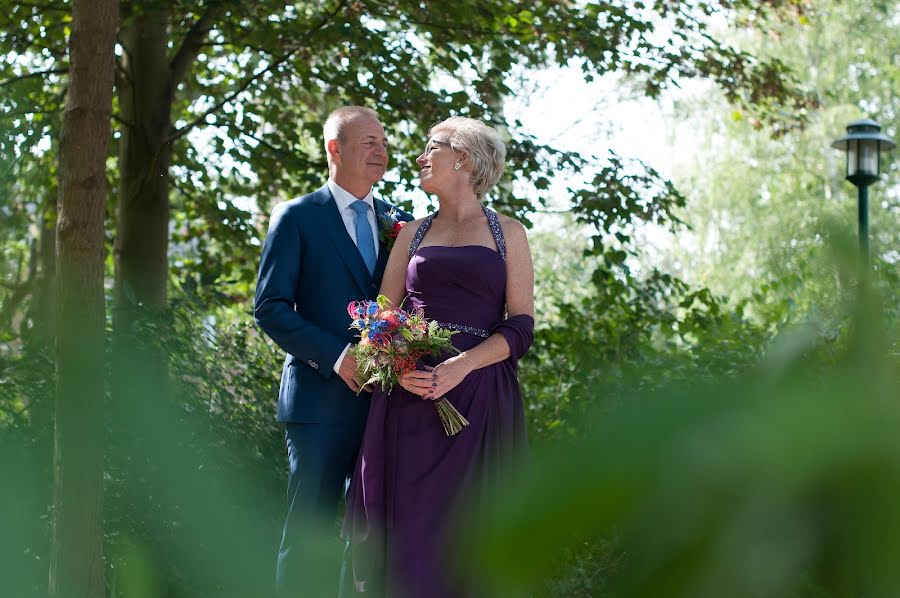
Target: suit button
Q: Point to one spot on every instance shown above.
(312, 364)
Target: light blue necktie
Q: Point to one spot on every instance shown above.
(364, 240)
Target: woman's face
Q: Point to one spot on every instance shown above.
(436, 163)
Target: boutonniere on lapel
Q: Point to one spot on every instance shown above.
(389, 227)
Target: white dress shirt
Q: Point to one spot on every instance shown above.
(343, 199)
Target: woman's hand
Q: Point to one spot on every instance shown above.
(418, 382)
(447, 375)
(434, 383)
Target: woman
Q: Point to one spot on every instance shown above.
(469, 269)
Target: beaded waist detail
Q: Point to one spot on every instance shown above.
(467, 329)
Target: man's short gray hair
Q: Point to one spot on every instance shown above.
(483, 146)
(334, 124)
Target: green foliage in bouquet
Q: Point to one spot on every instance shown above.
(392, 340)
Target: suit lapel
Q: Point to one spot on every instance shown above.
(381, 212)
(334, 228)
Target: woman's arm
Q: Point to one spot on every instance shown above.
(519, 295)
(496, 348)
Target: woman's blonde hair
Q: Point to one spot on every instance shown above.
(483, 146)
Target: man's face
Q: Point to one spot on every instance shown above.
(362, 157)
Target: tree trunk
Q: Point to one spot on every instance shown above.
(139, 369)
(145, 101)
(41, 319)
(76, 559)
(43, 316)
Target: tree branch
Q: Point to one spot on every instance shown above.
(447, 26)
(16, 79)
(193, 42)
(179, 188)
(122, 121)
(18, 415)
(178, 133)
(22, 43)
(12, 115)
(551, 211)
(121, 75)
(277, 151)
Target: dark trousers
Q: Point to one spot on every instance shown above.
(321, 459)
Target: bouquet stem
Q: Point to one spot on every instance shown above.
(452, 419)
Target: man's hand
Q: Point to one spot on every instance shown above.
(347, 372)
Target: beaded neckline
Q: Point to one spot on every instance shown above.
(493, 222)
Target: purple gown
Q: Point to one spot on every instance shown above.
(410, 476)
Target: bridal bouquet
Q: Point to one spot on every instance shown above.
(391, 341)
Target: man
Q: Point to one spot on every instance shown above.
(322, 251)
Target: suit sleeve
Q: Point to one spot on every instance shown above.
(276, 286)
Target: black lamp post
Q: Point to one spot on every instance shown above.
(863, 144)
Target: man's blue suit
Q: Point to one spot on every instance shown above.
(309, 271)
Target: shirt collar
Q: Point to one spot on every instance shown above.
(344, 198)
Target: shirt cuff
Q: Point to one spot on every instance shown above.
(337, 364)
